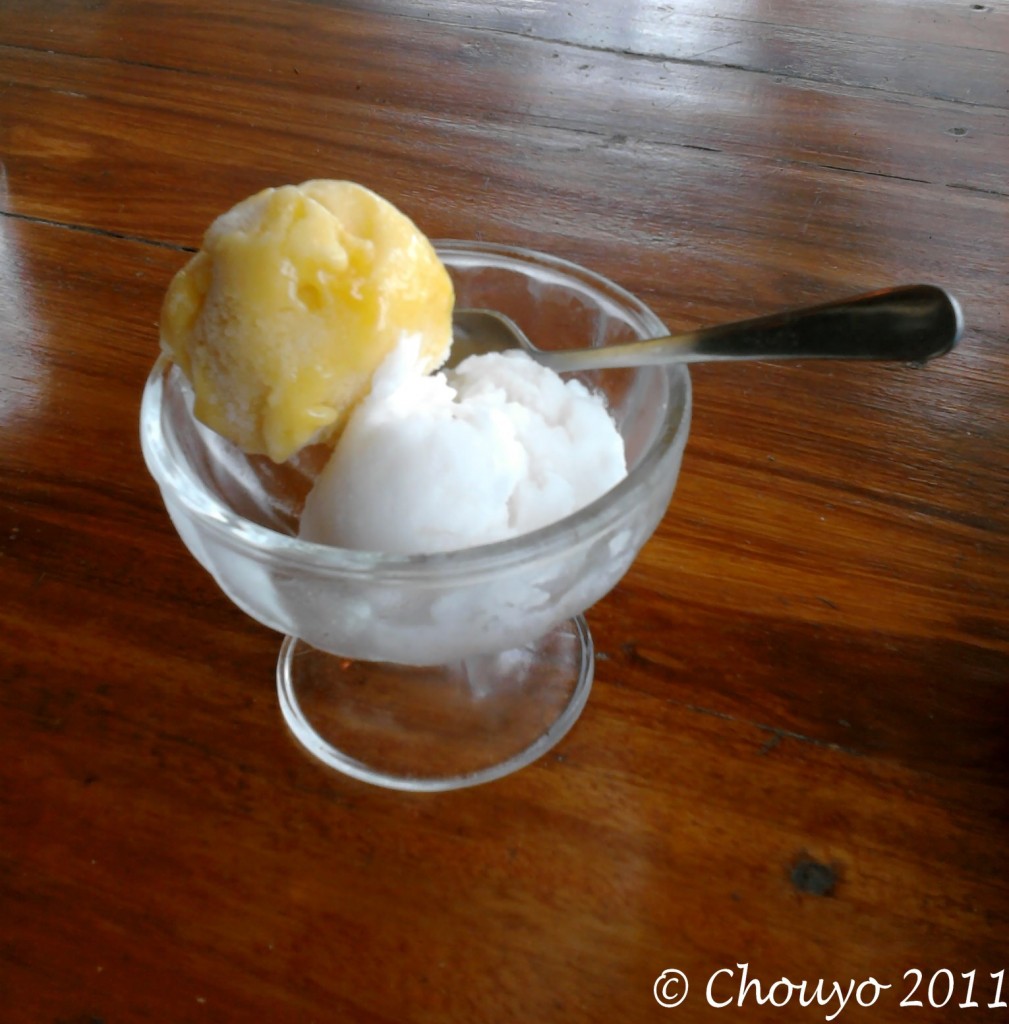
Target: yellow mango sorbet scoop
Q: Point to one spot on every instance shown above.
(296, 297)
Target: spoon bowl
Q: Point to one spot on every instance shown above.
(910, 324)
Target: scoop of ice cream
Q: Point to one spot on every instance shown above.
(296, 297)
(491, 450)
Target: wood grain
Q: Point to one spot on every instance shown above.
(795, 751)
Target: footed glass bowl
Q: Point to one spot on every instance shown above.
(432, 672)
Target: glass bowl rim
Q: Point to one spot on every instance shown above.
(289, 551)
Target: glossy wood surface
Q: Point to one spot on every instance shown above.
(795, 751)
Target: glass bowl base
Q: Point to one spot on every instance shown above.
(436, 727)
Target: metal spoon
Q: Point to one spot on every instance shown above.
(911, 324)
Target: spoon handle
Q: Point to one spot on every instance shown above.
(911, 323)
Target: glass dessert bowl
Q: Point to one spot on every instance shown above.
(433, 672)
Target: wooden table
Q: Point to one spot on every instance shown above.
(794, 756)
